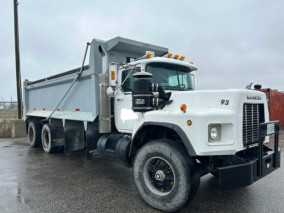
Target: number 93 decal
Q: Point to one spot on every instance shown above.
(225, 102)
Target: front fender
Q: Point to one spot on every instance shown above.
(174, 127)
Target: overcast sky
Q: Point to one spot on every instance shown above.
(232, 42)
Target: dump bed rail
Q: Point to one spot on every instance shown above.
(58, 75)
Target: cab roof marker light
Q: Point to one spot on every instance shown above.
(170, 55)
(176, 56)
(182, 58)
(150, 54)
(191, 62)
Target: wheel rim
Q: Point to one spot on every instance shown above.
(45, 138)
(159, 176)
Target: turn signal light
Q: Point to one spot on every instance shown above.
(176, 56)
(183, 107)
(112, 75)
(189, 122)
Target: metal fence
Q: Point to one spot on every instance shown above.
(8, 112)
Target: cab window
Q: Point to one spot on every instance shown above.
(128, 85)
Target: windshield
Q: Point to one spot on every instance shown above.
(171, 76)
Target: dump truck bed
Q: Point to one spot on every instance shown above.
(43, 96)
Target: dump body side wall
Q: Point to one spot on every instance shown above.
(81, 103)
(45, 96)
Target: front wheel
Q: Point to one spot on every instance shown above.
(165, 176)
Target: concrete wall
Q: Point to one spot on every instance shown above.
(18, 128)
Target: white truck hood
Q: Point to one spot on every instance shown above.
(215, 99)
(224, 107)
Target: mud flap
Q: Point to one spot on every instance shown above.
(74, 136)
(57, 130)
(92, 137)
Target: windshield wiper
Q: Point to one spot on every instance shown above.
(176, 88)
(171, 87)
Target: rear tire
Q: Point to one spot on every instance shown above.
(46, 139)
(165, 176)
(34, 134)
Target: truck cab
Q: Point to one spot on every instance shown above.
(174, 75)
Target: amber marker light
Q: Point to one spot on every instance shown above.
(170, 55)
(183, 107)
(176, 56)
(182, 58)
(189, 122)
(191, 62)
(112, 75)
(149, 55)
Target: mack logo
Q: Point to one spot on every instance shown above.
(140, 101)
(250, 97)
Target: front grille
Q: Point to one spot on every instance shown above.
(253, 115)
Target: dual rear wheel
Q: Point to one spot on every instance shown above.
(41, 136)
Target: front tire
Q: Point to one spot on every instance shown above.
(165, 176)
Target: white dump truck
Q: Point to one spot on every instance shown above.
(136, 103)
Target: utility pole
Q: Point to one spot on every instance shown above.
(17, 56)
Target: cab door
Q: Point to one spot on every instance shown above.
(124, 115)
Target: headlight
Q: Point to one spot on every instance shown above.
(214, 132)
